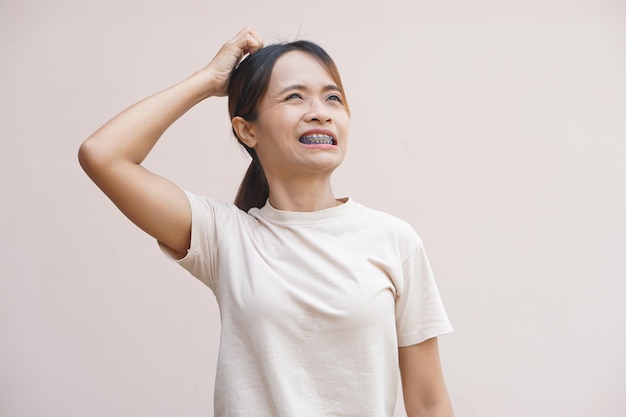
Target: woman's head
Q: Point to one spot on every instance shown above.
(249, 81)
(248, 86)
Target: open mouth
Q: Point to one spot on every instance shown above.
(317, 139)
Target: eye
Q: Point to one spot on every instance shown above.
(335, 97)
(294, 96)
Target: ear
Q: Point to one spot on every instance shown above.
(244, 130)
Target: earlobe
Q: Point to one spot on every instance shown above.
(244, 131)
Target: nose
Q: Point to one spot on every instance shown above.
(318, 112)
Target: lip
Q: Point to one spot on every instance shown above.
(321, 132)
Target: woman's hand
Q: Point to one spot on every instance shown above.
(247, 41)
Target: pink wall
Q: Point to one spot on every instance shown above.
(497, 131)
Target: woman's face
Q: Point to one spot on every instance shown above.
(302, 122)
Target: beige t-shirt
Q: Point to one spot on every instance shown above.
(313, 306)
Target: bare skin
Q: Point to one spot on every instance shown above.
(425, 392)
(300, 100)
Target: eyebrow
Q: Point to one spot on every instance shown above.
(327, 87)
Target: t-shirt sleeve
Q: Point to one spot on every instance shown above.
(208, 217)
(420, 314)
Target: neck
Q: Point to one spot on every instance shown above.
(298, 195)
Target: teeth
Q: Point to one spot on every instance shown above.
(317, 139)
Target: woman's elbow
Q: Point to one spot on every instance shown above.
(95, 156)
(85, 154)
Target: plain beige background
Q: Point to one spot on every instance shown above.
(498, 129)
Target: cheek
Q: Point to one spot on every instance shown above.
(273, 145)
(276, 123)
(344, 124)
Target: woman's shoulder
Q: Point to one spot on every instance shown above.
(214, 208)
(390, 223)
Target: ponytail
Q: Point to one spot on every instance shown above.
(254, 189)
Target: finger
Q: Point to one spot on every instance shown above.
(256, 42)
(248, 40)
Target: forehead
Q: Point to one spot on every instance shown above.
(298, 68)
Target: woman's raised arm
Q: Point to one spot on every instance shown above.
(112, 156)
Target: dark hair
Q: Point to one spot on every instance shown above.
(246, 88)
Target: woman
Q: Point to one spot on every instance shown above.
(320, 298)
